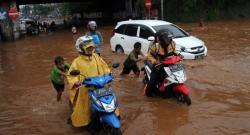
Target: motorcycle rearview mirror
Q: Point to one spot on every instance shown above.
(115, 65)
(75, 72)
(151, 38)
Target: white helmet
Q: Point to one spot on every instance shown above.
(92, 25)
(84, 42)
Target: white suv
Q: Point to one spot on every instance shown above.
(127, 33)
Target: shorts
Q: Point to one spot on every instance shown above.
(127, 70)
(58, 87)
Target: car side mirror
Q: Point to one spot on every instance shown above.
(151, 38)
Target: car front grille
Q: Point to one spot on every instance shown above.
(197, 50)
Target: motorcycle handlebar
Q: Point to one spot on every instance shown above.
(158, 65)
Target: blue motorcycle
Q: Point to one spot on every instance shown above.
(104, 103)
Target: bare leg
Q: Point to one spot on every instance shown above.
(59, 94)
(137, 74)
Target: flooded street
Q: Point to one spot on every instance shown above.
(219, 84)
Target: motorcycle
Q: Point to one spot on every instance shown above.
(174, 78)
(103, 102)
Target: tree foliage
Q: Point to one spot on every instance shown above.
(174, 10)
(42, 10)
(190, 10)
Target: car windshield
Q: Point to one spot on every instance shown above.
(177, 32)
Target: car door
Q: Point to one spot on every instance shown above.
(130, 37)
(118, 38)
(144, 33)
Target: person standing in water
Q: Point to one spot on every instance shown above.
(58, 74)
(96, 36)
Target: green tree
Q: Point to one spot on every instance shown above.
(42, 10)
(26, 11)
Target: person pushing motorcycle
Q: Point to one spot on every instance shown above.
(164, 47)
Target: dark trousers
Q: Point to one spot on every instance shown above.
(95, 124)
(156, 76)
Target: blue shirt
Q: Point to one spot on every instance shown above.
(97, 39)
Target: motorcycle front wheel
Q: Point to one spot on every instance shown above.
(184, 98)
(113, 131)
(145, 79)
(187, 100)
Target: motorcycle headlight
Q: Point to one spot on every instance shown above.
(109, 107)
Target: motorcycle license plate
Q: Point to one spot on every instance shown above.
(103, 92)
(175, 68)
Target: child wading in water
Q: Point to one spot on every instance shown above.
(131, 61)
(58, 74)
(74, 32)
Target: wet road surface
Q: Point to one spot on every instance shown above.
(219, 83)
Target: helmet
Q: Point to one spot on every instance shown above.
(92, 25)
(164, 34)
(83, 43)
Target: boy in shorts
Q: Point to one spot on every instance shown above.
(131, 61)
(58, 73)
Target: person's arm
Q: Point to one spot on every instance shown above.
(58, 71)
(133, 58)
(176, 50)
(73, 81)
(100, 37)
(67, 66)
(63, 74)
(142, 54)
(150, 56)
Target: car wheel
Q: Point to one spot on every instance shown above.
(119, 50)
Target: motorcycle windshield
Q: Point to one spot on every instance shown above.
(98, 81)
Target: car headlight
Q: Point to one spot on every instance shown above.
(204, 46)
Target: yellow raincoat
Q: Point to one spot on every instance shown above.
(155, 48)
(89, 67)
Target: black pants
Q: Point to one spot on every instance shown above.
(95, 124)
(58, 87)
(156, 76)
(127, 69)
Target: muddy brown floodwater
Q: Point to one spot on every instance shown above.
(220, 87)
